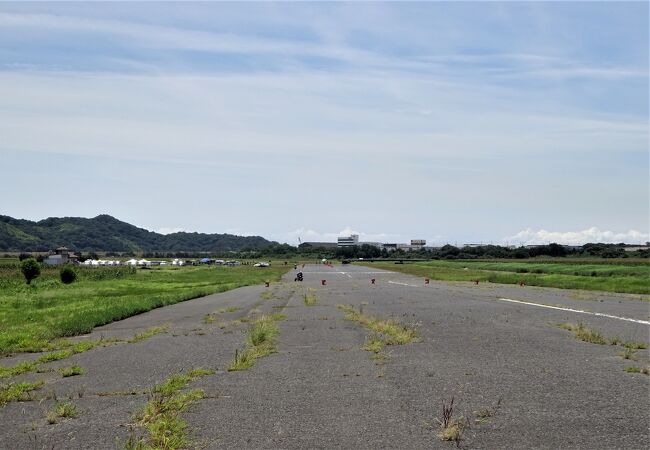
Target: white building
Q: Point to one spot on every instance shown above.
(60, 256)
(348, 241)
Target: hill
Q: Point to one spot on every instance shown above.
(106, 233)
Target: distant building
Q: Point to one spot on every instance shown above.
(418, 244)
(635, 248)
(348, 241)
(60, 256)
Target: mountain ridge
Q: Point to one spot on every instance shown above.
(105, 233)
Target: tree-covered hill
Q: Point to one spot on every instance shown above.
(106, 233)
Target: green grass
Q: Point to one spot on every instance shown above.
(584, 334)
(391, 331)
(160, 417)
(65, 410)
(32, 317)
(594, 275)
(18, 391)
(147, 334)
(71, 371)
(261, 341)
(55, 356)
(644, 370)
(72, 349)
(18, 369)
(310, 298)
(374, 343)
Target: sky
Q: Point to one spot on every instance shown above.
(505, 123)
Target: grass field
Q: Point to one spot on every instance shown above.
(627, 277)
(31, 317)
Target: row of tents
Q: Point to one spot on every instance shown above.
(145, 262)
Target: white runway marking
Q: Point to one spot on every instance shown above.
(345, 273)
(403, 284)
(357, 273)
(645, 322)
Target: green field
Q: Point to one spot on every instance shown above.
(597, 275)
(31, 317)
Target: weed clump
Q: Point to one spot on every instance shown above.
(18, 391)
(310, 298)
(451, 429)
(147, 334)
(583, 333)
(161, 415)
(374, 343)
(23, 367)
(71, 371)
(66, 410)
(392, 332)
(261, 341)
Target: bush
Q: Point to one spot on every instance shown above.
(24, 256)
(68, 275)
(30, 269)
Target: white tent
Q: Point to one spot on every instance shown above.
(131, 262)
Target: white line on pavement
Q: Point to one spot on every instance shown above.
(403, 284)
(358, 273)
(345, 273)
(645, 322)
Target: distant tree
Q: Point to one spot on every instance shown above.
(30, 269)
(24, 256)
(67, 275)
(39, 258)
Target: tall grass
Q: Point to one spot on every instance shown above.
(633, 278)
(32, 316)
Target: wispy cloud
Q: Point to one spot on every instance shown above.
(593, 234)
(461, 120)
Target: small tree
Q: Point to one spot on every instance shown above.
(68, 275)
(30, 269)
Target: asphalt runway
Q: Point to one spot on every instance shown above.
(481, 344)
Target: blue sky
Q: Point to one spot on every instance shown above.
(454, 122)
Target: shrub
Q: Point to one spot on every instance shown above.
(30, 269)
(68, 275)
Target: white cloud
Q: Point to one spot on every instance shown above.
(593, 234)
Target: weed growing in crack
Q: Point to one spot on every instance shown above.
(147, 334)
(451, 429)
(310, 298)
(160, 417)
(71, 371)
(374, 343)
(261, 341)
(65, 410)
(583, 333)
(393, 332)
(628, 353)
(18, 391)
